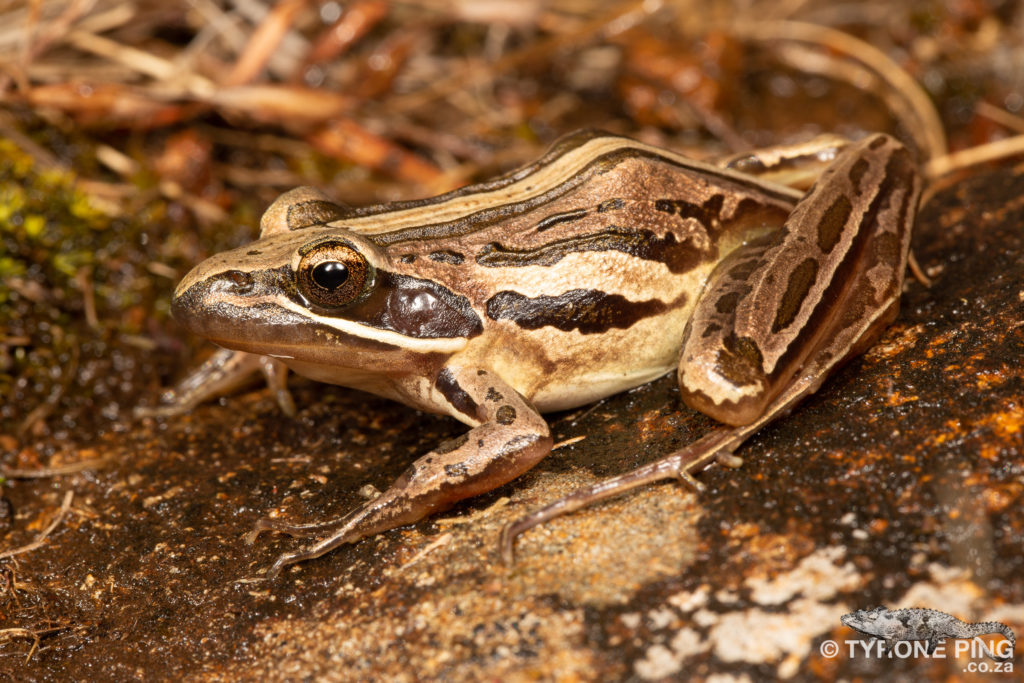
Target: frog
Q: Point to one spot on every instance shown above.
(603, 265)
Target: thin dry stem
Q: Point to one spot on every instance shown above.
(29, 547)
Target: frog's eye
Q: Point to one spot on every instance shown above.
(332, 274)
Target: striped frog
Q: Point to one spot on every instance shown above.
(599, 267)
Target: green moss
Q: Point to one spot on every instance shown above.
(49, 232)
(49, 227)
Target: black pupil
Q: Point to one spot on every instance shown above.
(330, 274)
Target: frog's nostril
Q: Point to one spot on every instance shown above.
(237, 281)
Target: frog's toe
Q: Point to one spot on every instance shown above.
(295, 530)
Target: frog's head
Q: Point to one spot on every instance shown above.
(318, 295)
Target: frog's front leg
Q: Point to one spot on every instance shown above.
(510, 438)
(223, 372)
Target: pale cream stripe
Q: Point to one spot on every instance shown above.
(354, 329)
(543, 180)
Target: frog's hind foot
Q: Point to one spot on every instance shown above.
(716, 446)
(267, 525)
(328, 535)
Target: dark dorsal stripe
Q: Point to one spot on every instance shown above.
(558, 218)
(678, 256)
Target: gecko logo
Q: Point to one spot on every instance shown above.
(918, 631)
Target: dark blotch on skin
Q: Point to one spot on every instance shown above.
(740, 361)
(506, 415)
(451, 445)
(707, 213)
(253, 252)
(587, 310)
(800, 282)
(711, 329)
(451, 257)
(493, 395)
(830, 227)
(856, 174)
(610, 205)
(408, 258)
(727, 303)
(455, 394)
(456, 471)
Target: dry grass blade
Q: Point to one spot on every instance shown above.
(47, 472)
(621, 17)
(41, 538)
(907, 100)
(264, 41)
(992, 151)
(274, 103)
(1001, 116)
(348, 140)
(356, 21)
(13, 633)
(170, 75)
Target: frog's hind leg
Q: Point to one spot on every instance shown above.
(677, 465)
(782, 311)
(779, 313)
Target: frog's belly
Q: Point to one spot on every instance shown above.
(557, 369)
(594, 387)
(626, 329)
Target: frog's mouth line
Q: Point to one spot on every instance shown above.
(269, 325)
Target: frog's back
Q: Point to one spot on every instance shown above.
(584, 267)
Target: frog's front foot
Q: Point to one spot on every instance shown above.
(396, 507)
(453, 471)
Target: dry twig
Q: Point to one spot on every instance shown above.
(64, 507)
